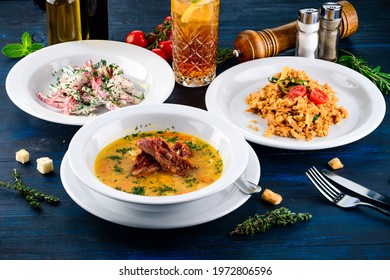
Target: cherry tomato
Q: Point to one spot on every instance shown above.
(168, 18)
(137, 37)
(166, 46)
(160, 52)
(296, 91)
(317, 96)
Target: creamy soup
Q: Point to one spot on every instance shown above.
(115, 164)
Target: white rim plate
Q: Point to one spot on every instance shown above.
(185, 215)
(365, 103)
(34, 73)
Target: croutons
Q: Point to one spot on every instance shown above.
(22, 156)
(44, 165)
(271, 197)
(335, 163)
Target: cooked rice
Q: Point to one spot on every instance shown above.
(299, 118)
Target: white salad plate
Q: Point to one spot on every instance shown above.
(360, 97)
(34, 73)
(183, 215)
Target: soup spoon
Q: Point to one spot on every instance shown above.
(247, 187)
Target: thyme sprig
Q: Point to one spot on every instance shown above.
(223, 55)
(260, 223)
(32, 196)
(380, 79)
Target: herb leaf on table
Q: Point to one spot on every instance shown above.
(260, 223)
(17, 50)
(32, 196)
(379, 78)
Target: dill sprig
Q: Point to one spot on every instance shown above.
(260, 223)
(32, 196)
(380, 79)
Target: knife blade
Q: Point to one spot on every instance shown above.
(359, 189)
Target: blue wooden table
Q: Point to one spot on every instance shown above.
(66, 231)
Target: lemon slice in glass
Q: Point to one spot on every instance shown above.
(200, 10)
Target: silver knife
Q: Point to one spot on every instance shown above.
(359, 189)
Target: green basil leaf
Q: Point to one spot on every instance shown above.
(14, 50)
(34, 47)
(26, 39)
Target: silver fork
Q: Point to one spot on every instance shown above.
(334, 195)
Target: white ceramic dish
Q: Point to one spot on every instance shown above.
(34, 73)
(366, 106)
(91, 138)
(183, 215)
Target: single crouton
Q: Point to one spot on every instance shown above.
(44, 165)
(22, 156)
(335, 163)
(271, 197)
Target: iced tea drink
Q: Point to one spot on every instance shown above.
(194, 41)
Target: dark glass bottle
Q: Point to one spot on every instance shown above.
(94, 19)
(41, 4)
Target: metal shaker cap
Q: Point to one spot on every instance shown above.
(331, 11)
(308, 15)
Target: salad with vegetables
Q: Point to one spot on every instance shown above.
(81, 90)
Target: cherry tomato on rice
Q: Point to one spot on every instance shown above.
(296, 91)
(166, 46)
(317, 96)
(137, 37)
(160, 52)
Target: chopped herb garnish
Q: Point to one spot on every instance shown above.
(172, 139)
(190, 182)
(316, 117)
(219, 166)
(163, 190)
(139, 190)
(124, 150)
(114, 157)
(118, 169)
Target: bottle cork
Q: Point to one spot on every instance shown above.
(251, 44)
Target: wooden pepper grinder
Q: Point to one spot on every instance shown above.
(251, 44)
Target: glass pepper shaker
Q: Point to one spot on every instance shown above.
(329, 32)
(307, 33)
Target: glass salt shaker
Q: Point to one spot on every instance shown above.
(307, 33)
(329, 32)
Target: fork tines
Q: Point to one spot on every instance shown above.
(323, 185)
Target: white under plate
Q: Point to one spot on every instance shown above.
(183, 215)
(34, 73)
(365, 103)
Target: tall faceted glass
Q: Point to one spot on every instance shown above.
(194, 41)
